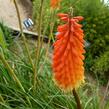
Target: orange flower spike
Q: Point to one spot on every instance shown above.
(68, 53)
(55, 3)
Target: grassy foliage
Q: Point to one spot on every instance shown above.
(47, 95)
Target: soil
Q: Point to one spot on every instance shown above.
(8, 12)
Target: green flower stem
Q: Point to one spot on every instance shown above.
(40, 24)
(52, 17)
(77, 99)
(39, 44)
(22, 34)
(25, 44)
(51, 31)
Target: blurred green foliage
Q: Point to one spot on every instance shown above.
(96, 27)
(101, 67)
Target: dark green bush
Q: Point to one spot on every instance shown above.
(96, 27)
(96, 24)
(101, 67)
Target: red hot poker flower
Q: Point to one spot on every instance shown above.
(55, 3)
(68, 53)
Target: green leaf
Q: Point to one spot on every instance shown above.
(2, 39)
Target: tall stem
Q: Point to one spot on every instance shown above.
(77, 99)
(52, 22)
(39, 31)
(40, 25)
(25, 44)
(51, 31)
(38, 45)
(22, 34)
